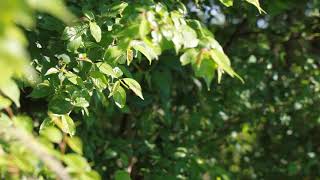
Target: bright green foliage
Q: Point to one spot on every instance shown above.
(257, 4)
(227, 3)
(123, 90)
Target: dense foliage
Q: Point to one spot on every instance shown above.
(92, 89)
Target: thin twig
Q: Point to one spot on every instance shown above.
(9, 112)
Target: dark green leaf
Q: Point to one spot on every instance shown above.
(60, 105)
(122, 175)
(41, 90)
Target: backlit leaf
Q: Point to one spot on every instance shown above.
(188, 57)
(227, 3)
(257, 4)
(223, 62)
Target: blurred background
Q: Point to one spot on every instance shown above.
(266, 128)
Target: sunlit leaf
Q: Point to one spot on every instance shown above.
(146, 50)
(51, 71)
(223, 62)
(189, 36)
(129, 56)
(95, 31)
(134, 86)
(75, 44)
(188, 57)
(68, 125)
(11, 90)
(75, 144)
(105, 68)
(257, 4)
(227, 3)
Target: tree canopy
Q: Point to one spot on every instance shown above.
(173, 89)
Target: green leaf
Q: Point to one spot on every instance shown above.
(76, 163)
(69, 33)
(200, 28)
(115, 54)
(119, 96)
(52, 133)
(118, 72)
(95, 31)
(23, 122)
(206, 70)
(223, 62)
(52, 71)
(75, 44)
(129, 56)
(134, 86)
(64, 57)
(144, 27)
(257, 4)
(189, 56)
(60, 105)
(227, 3)
(46, 123)
(115, 9)
(89, 14)
(99, 80)
(73, 78)
(91, 175)
(146, 50)
(122, 175)
(177, 40)
(11, 90)
(189, 37)
(75, 144)
(80, 102)
(68, 125)
(106, 69)
(41, 90)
